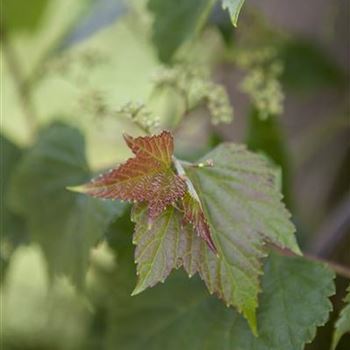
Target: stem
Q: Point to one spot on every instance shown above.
(181, 172)
(21, 87)
(339, 269)
(333, 231)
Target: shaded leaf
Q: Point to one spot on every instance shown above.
(161, 317)
(176, 22)
(66, 225)
(342, 325)
(147, 177)
(306, 67)
(242, 204)
(234, 7)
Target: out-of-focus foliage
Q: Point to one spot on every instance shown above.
(266, 135)
(78, 74)
(17, 15)
(308, 67)
(176, 22)
(234, 7)
(12, 228)
(193, 84)
(66, 225)
(37, 314)
(262, 81)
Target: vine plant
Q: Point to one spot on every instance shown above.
(221, 217)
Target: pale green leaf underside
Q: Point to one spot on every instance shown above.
(342, 325)
(244, 210)
(66, 225)
(234, 7)
(293, 303)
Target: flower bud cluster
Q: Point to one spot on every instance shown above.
(194, 84)
(138, 114)
(262, 81)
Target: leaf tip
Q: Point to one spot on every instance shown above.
(138, 289)
(253, 326)
(250, 316)
(296, 250)
(127, 137)
(78, 189)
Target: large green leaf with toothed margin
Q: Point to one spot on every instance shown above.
(181, 315)
(242, 204)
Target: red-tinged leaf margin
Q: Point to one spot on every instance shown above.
(157, 147)
(148, 177)
(193, 214)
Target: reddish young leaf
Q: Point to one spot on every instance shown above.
(147, 177)
(193, 214)
(159, 148)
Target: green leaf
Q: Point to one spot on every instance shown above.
(160, 248)
(176, 22)
(242, 204)
(18, 15)
(342, 325)
(66, 225)
(293, 303)
(170, 244)
(234, 7)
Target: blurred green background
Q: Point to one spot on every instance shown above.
(71, 62)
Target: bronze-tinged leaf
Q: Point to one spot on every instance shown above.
(159, 148)
(147, 177)
(194, 215)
